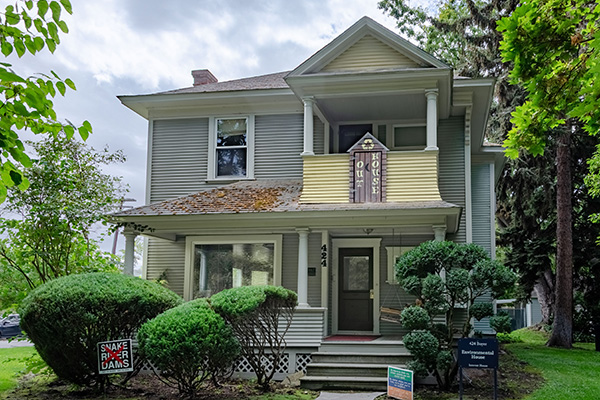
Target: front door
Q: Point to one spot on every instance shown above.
(355, 289)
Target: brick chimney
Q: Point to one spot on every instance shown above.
(203, 76)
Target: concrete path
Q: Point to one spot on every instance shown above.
(349, 396)
(5, 344)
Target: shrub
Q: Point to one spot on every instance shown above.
(469, 274)
(66, 317)
(189, 344)
(254, 313)
(501, 322)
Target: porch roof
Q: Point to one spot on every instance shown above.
(262, 196)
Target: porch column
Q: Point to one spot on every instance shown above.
(129, 251)
(308, 126)
(439, 232)
(432, 96)
(303, 267)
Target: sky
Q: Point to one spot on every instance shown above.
(128, 47)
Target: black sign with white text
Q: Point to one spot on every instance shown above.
(478, 353)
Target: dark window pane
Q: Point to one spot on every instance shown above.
(231, 162)
(410, 136)
(350, 134)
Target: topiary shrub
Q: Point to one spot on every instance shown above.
(188, 344)
(66, 317)
(255, 313)
(501, 322)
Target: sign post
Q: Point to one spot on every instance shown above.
(478, 353)
(115, 356)
(400, 383)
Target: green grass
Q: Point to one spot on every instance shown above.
(12, 362)
(569, 374)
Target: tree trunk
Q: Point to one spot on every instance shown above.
(562, 330)
(544, 289)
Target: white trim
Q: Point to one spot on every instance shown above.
(192, 241)
(145, 259)
(468, 197)
(325, 281)
(336, 244)
(149, 161)
(492, 212)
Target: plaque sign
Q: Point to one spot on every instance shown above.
(367, 170)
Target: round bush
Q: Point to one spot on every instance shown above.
(501, 322)
(66, 317)
(415, 317)
(188, 344)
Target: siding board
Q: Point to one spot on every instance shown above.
(369, 53)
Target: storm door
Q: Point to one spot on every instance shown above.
(355, 311)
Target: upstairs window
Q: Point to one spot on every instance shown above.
(231, 147)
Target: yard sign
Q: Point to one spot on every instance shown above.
(115, 356)
(400, 383)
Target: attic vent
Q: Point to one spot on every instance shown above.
(203, 76)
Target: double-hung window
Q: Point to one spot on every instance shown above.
(231, 148)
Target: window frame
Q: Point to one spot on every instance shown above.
(192, 241)
(213, 148)
(392, 136)
(394, 252)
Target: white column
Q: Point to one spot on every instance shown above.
(432, 96)
(129, 252)
(439, 232)
(308, 126)
(303, 267)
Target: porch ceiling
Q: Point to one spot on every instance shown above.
(374, 107)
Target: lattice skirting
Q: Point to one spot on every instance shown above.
(289, 363)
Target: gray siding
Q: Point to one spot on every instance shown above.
(452, 168)
(169, 257)
(179, 156)
(278, 144)
(482, 209)
(482, 224)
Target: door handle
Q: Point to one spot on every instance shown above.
(371, 294)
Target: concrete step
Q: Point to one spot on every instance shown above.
(344, 383)
(376, 346)
(348, 370)
(364, 358)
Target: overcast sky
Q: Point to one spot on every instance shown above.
(118, 47)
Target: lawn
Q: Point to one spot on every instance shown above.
(569, 374)
(12, 361)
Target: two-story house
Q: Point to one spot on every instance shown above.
(316, 179)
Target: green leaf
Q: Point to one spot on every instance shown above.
(56, 9)
(61, 87)
(19, 47)
(16, 177)
(12, 18)
(39, 43)
(67, 5)
(29, 4)
(6, 48)
(51, 45)
(6, 75)
(63, 26)
(53, 31)
(70, 84)
(42, 7)
(69, 131)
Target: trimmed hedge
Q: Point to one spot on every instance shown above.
(65, 318)
(189, 344)
(242, 301)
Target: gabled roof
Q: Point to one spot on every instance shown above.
(366, 35)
